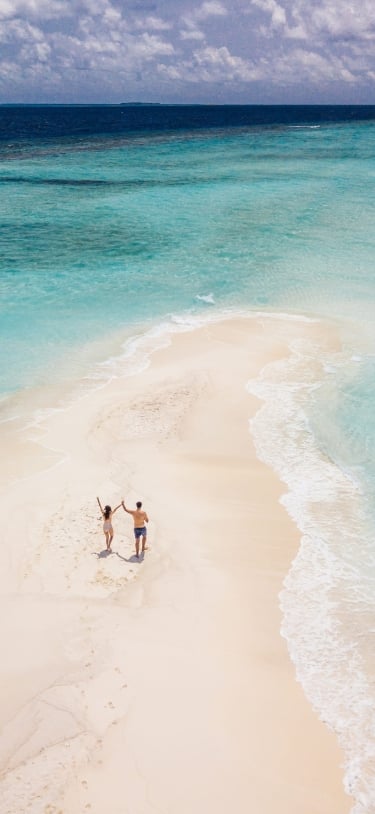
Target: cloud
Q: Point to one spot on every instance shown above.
(116, 54)
(34, 9)
(212, 8)
(333, 19)
(218, 64)
(203, 12)
(211, 65)
(327, 19)
(347, 20)
(105, 43)
(324, 42)
(311, 66)
(276, 11)
(191, 29)
(151, 23)
(19, 31)
(102, 46)
(192, 34)
(157, 24)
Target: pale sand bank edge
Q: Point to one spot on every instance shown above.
(172, 685)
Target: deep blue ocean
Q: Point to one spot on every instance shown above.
(116, 220)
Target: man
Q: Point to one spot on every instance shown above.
(140, 530)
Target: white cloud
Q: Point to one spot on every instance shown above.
(192, 34)
(209, 65)
(170, 72)
(14, 31)
(327, 19)
(112, 16)
(202, 13)
(106, 46)
(150, 23)
(218, 64)
(157, 24)
(36, 9)
(276, 11)
(333, 19)
(345, 19)
(103, 43)
(211, 8)
(96, 53)
(9, 71)
(301, 65)
(150, 46)
(95, 8)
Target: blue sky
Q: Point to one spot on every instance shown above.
(240, 51)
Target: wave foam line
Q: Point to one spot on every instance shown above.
(327, 600)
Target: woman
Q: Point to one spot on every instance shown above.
(107, 525)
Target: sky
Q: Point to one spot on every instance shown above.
(182, 51)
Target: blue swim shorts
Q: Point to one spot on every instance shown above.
(140, 532)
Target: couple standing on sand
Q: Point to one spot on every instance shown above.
(140, 519)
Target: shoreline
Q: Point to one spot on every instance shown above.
(165, 692)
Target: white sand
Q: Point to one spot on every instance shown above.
(161, 685)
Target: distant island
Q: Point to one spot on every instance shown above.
(140, 104)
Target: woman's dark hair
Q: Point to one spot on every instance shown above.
(107, 512)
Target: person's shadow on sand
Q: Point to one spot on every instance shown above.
(133, 558)
(103, 553)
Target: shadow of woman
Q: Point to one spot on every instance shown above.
(103, 553)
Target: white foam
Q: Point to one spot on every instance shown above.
(138, 349)
(9, 419)
(327, 641)
(206, 298)
(135, 356)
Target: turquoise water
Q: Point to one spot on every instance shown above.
(113, 232)
(107, 236)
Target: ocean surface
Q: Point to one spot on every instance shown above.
(122, 224)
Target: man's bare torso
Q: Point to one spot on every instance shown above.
(140, 518)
